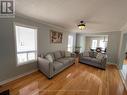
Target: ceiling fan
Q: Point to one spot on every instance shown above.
(82, 25)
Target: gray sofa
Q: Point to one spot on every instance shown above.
(60, 62)
(91, 59)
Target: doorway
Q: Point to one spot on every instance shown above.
(123, 58)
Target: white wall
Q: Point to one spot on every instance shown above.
(122, 46)
(122, 50)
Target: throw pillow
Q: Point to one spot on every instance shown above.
(57, 54)
(95, 54)
(91, 54)
(86, 54)
(67, 54)
(49, 58)
(99, 56)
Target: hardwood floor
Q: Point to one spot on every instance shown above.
(79, 79)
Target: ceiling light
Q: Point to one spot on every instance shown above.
(82, 25)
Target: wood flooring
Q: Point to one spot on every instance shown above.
(78, 79)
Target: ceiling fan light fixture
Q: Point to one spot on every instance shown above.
(82, 25)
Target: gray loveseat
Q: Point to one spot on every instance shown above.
(90, 58)
(60, 62)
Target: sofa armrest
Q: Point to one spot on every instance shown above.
(43, 61)
(45, 66)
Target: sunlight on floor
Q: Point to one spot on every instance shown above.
(31, 89)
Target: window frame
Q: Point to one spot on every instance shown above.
(103, 48)
(71, 47)
(27, 26)
(92, 44)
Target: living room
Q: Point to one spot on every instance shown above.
(42, 32)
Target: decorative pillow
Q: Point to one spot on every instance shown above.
(86, 54)
(49, 58)
(67, 54)
(91, 54)
(95, 54)
(57, 54)
(52, 54)
(99, 56)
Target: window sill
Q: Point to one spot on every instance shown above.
(26, 63)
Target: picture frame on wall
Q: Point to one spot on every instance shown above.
(56, 37)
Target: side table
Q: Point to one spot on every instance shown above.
(77, 60)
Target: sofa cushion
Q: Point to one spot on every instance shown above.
(67, 54)
(57, 54)
(86, 54)
(57, 65)
(71, 59)
(95, 60)
(62, 53)
(64, 61)
(89, 59)
(86, 58)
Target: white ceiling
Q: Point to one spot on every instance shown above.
(99, 15)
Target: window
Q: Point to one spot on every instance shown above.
(26, 44)
(94, 44)
(102, 44)
(70, 43)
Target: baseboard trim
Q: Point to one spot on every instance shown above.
(110, 63)
(123, 80)
(16, 77)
